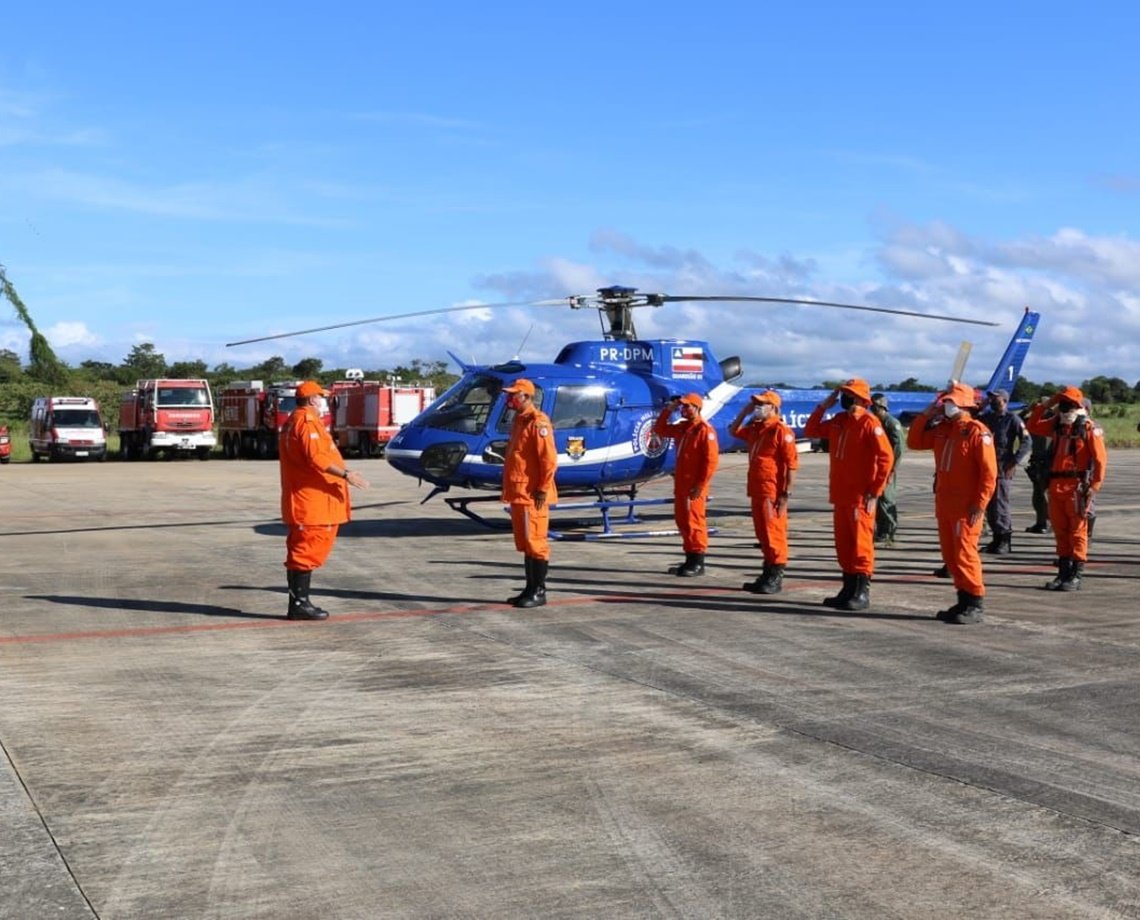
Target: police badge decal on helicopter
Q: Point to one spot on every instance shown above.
(646, 441)
(576, 448)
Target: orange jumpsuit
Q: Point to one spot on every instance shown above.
(771, 454)
(313, 503)
(529, 466)
(1078, 460)
(966, 465)
(697, 456)
(861, 461)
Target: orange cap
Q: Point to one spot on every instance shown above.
(310, 388)
(768, 396)
(858, 388)
(961, 394)
(521, 385)
(693, 399)
(1072, 394)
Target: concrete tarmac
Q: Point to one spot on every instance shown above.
(644, 746)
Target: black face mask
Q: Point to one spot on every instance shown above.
(846, 400)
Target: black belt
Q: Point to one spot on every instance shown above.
(1053, 475)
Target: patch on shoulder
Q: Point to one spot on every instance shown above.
(879, 430)
(543, 431)
(1098, 432)
(987, 439)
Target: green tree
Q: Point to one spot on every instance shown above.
(188, 369)
(43, 365)
(100, 370)
(308, 368)
(271, 369)
(144, 361)
(10, 368)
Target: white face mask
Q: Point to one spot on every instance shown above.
(950, 410)
(762, 412)
(1067, 418)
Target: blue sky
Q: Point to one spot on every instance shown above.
(189, 174)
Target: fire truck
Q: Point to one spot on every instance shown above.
(367, 413)
(170, 417)
(5, 445)
(253, 413)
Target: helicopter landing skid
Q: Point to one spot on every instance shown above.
(604, 507)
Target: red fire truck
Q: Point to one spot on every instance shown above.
(5, 445)
(253, 413)
(168, 417)
(367, 413)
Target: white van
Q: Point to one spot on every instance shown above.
(64, 427)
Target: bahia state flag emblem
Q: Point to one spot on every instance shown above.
(687, 359)
(576, 448)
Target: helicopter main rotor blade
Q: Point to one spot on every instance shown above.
(386, 319)
(726, 298)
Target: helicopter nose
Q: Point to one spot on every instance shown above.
(443, 459)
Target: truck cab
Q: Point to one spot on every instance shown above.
(66, 428)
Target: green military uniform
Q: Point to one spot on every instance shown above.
(887, 512)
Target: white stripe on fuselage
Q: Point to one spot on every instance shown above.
(720, 396)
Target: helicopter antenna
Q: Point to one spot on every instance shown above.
(522, 344)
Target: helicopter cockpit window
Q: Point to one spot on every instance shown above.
(466, 407)
(508, 417)
(579, 407)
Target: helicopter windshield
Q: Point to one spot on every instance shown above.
(466, 406)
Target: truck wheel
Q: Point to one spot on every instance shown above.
(35, 456)
(263, 449)
(203, 453)
(4, 459)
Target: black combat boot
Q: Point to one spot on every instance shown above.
(535, 595)
(694, 566)
(1073, 582)
(528, 562)
(971, 612)
(947, 615)
(943, 571)
(1064, 569)
(774, 581)
(678, 569)
(844, 594)
(755, 585)
(860, 598)
(1039, 527)
(1002, 544)
(300, 607)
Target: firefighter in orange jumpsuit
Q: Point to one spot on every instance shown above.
(1076, 465)
(314, 497)
(772, 465)
(966, 464)
(861, 459)
(528, 487)
(697, 458)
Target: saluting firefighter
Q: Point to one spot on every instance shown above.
(1011, 444)
(1076, 472)
(697, 456)
(772, 465)
(314, 497)
(966, 465)
(860, 463)
(528, 487)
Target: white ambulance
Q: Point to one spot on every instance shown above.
(67, 427)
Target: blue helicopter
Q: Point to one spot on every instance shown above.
(603, 397)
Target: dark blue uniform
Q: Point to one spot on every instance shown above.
(1011, 444)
